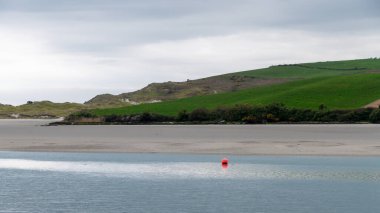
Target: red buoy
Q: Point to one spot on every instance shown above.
(225, 161)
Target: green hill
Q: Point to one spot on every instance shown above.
(237, 81)
(313, 70)
(157, 92)
(336, 84)
(338, 92)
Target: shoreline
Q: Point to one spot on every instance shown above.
(267, 139)
(192, 153)
(199, 123)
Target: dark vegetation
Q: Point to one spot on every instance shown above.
(245, 114)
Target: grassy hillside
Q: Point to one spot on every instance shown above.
(157, 92)
(48, 109)
(238, 81)
(38, 109)
(337, 92)
(313, 70)
(337, 84)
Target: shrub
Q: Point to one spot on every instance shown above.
(278, 111)
(80, 114)
(139, 118)
(250, 119)
(199, 115)
(183, 116)
(246, 114)
(374, 117)
(359, 115)
(300, 115)
(259, 113)
(329, 116)
(271, 118)
(112, 118)
(146, 117)
(220, 114)
(162, 118)
(238, 112)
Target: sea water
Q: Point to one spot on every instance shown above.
(105, 182)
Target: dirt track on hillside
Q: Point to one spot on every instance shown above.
(374, 104)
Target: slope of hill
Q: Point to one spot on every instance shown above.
(337, 84)
(313, 70)
(39, 109)
(337, 92)
(156, 92)
(47, 109)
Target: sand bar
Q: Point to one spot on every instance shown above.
(350, 140)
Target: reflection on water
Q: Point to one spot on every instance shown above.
(194, 170)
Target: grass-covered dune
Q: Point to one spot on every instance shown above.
(347, 91)
(39, 109)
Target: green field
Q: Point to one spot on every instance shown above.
(336, 84)
(313, 70)
(337, 92)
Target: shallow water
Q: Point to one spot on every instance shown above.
(79, 182)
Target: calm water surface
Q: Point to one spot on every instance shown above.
(78, 182)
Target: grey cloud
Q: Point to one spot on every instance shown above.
(107, 35)
(98, 26)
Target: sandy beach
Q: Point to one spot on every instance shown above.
(346, 140)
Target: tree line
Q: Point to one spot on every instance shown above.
(246, 114)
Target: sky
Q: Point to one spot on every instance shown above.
(73, 50)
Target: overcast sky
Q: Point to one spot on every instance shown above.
(72, 50)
